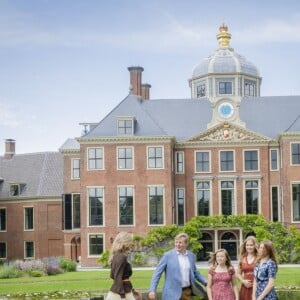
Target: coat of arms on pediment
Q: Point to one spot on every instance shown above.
(228, 132)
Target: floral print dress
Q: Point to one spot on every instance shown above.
(221, 285)
(262, 273)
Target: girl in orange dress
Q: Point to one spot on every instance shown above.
(246, 264)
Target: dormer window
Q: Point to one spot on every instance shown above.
(125, 126)
(225, 87)
(14, 190)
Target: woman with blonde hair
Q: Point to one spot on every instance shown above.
(246, 263)
(121, 269)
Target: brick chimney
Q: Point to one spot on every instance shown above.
(10, 148)
(136, 80)
(146, 91)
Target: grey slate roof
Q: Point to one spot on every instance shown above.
(185, 118)
(41, 174)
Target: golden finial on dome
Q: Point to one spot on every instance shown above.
(224, 36)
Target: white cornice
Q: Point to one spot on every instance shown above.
(126, 139)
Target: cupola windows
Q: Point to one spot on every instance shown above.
(201, 89)
(225, 88)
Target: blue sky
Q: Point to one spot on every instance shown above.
(63, 62)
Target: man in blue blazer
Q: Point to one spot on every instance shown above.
(179, 266)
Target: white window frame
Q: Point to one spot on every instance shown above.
(259, 193)
(163, 204)
(209, 162)
(5, 243)
(132, 157)
(244, 161)
(227, 150)
(176, 162)
(125, 119)
(162, 158)
(210, 195)
(292, 204)
(29, 257)
(234, 206)
(88, 206)
(88, 244)
(277, 159)
(291, 154)
(184, 200)
(88, 159)
(73, 168)
(133, 205)
(5, 209)
(24, 212)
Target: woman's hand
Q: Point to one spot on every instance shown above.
(247, 283)
(151, 295)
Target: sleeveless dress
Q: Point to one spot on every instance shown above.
(247, 273)
(221, 285)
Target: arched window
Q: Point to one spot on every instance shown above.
(229, 242)
(207, 244)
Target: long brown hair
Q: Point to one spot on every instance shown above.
(269, 250)
(213, 259)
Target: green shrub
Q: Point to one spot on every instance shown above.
(67, 265)
(36, 273)
(103, 259)
(10, 272)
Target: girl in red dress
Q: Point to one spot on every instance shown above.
(221, 279)
(246, 264)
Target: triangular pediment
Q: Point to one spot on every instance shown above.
(227, 132)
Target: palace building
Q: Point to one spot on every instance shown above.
(227, 150)
(149, 163)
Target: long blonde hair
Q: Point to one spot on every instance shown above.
(243, 251)
(122, 243)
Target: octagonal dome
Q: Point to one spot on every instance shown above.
(225, 60)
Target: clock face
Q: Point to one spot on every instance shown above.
(225, 110)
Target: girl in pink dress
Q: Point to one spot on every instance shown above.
(247, 260)
(221, 277)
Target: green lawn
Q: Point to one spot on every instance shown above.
(99, 281)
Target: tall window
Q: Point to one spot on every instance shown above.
(29, 249)
(28, 218)
(249, 89)
(226, 161)
(95, 244)
(125, 205)
(156, 205)
(296, 201)
(71, 211)
(227, 198)
(274, 159)
(155, 157)
(95, 206)
(125, 127)
(295, 150)
(179, 161)
(75, 168)
(95, 159)
(2, 219)
(275, 206)
(201, 90)
(180, 206)
(203, 198)
(202, 161)
(252, 192)
(125, 158)
(251, 160)
(2, 250)
(225, 87)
